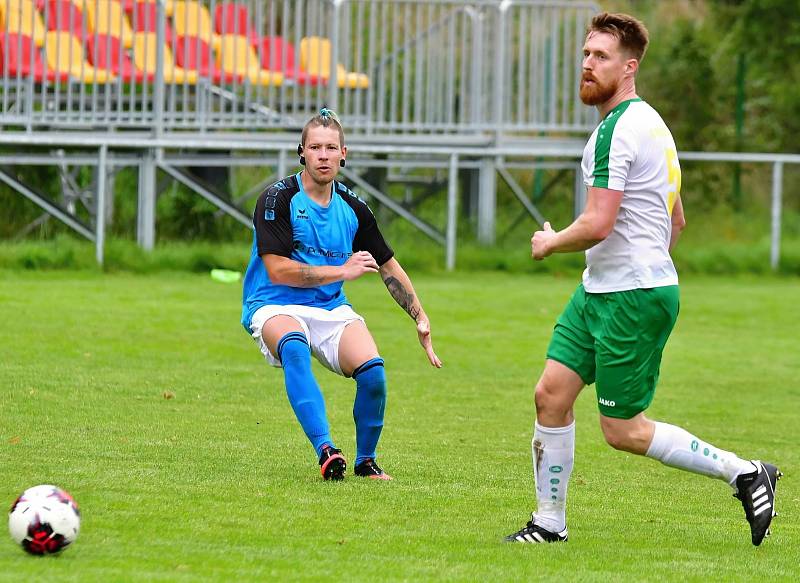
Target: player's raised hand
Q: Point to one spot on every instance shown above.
(540, 242)
(360, 262)
(424, 333)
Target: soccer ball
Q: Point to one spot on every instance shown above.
(44, 520)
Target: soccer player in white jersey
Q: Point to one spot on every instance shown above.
(614, 328)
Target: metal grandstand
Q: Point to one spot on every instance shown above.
(165, 85)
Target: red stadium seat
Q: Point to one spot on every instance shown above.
(195, 54)
(64, 53)
(66, 16)
(145, 47)
(144, 20)
(106, 53)
(19, 57)
(277, 54)
(145, 52)
(233, 18)
(238, 57)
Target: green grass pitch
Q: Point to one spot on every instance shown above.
(144, 398)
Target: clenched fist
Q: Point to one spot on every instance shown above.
(540, 242)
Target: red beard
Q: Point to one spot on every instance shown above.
(596, 93)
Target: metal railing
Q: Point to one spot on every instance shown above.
(438, 67)
(538, 50)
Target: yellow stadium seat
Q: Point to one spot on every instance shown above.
(108, 17)
(21, 17)
(238, 57)
(191, 18)
(351, 79)
(127, 5)
(315, 59)
(64, 54)
(145, 47)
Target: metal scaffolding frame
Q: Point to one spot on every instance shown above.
(493, 160)
(483, 85)
(444, 67)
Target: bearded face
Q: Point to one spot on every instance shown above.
(594, 92)
(606, 69)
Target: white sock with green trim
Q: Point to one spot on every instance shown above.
(677, 448)
(553, 456)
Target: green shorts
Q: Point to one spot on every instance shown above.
(615, 340)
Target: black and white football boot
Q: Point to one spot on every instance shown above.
(756, 491)
(531, 533)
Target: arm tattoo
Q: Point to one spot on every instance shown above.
(310, 279)
(401, 296)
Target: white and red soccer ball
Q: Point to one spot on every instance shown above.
(44, 520)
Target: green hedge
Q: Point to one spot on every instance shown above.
(718, 257)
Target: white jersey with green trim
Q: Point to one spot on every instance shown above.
(632, 151)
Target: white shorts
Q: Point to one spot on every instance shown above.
(323, 328)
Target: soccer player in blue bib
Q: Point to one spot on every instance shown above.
(613, 330)
(311, 234)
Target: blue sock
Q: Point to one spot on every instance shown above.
(303, 390)
(369, 407)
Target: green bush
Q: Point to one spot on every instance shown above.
(715, 258)
(121, 255)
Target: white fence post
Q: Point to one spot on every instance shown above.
(452, 215)
(100, 205)
(777, 192)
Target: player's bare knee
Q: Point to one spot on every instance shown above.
(617, 439)
(542, 396)
(550, 402)
(624, 436)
